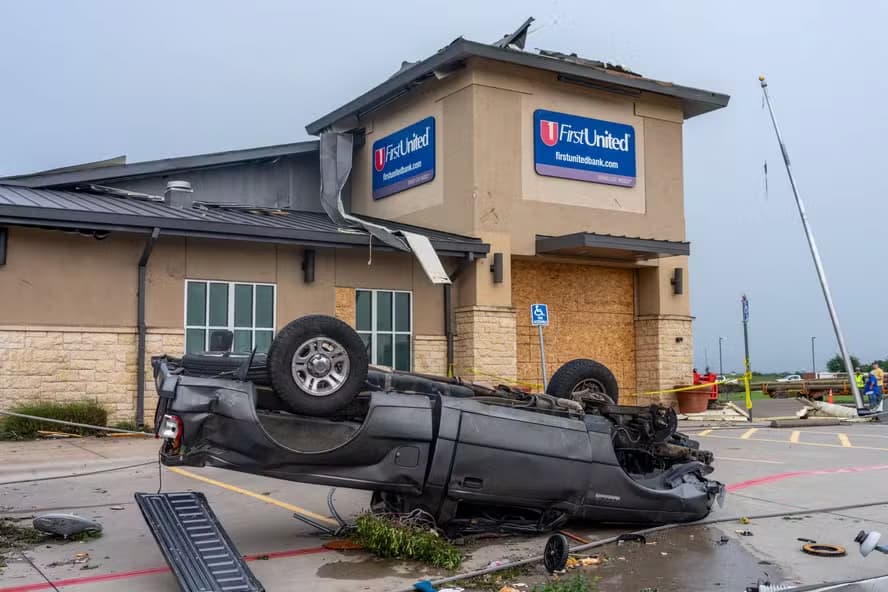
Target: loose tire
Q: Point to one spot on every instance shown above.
(215, 364)
(585, 379)
(317, 365)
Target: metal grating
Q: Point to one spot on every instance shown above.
(192, 540)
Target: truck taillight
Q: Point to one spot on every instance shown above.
(171, 429)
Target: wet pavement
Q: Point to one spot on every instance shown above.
(769, 471)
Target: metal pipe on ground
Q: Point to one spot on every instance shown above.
(645, 532)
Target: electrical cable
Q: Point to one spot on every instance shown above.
(38, 570)
(112, 469)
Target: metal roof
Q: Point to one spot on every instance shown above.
(90, 172)
(69, 209)
(610, 246)
(694, 101)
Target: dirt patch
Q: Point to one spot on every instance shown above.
(370, 568)
(14, 537)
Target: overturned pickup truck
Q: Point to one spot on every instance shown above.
(475, 458)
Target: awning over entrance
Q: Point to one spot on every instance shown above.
(608, 246)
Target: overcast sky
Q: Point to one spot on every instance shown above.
(86, 80)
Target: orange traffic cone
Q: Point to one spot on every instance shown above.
(830, 398)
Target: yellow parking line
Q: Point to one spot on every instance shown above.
(258, 496)
(794, 438)
(843, 438)
(705, 433)
(748, 433)
(753, 460)
(802, 443)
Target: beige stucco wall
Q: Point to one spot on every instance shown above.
(68, 314)
(484, 118)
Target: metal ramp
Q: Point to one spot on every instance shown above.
(192, 540)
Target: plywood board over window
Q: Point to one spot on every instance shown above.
(591, 315)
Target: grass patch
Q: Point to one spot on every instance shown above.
(577, 583)
(132, 426)
(384, 537)
(18, 428)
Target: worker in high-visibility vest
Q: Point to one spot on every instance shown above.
(859, 379)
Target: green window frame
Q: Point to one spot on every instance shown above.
(384, 320)
(247, 309)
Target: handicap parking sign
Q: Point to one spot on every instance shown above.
(539, 315)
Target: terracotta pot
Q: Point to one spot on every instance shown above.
(693, 401)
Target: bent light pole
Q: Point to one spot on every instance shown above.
(815, 254)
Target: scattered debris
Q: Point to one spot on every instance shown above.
(794, 518)
(744, 520)
(117, 507)
(574, 537)
(574, 562)
(81, 557)
(555, 554)
(496, 563)
(631, 537)
(664, 553)
(508, 589)
(744, 532)
(452, 590)
(91, 566)
(649, 590)
(342, 545)
(263, 557)
(65, 525)
(821, 550)
(804, 540)
(723, 540)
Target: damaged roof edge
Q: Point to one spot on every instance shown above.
(154, 167)
(696, 101)
(26, 216)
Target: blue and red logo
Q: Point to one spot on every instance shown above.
(585, 149)
(404, 159)
(379, 159)
(549, 132)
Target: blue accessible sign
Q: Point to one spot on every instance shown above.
(404, 159)
(539, 315)
(574, 147)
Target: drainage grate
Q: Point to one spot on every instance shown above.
(194, 543)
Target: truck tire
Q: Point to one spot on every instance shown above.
(317, 365)
(584, 375)
(215, 364)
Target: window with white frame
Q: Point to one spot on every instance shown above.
(384, 320)
(248, 310)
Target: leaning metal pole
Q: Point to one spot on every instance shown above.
(815, 254)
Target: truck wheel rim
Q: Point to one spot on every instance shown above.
(320, 366)
(591, 389)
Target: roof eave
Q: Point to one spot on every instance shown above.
(26, 216)
(695, 101)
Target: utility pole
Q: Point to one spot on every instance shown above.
(815, 255)
(721, 367)
(813, 363)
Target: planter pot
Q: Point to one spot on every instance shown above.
(693, 401)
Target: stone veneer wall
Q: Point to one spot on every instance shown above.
(484, 344)
(81, 363)
(430, 354)
(663, 363)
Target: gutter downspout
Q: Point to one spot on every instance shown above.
(140, 371)
(448, 310)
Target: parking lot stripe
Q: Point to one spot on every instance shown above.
(125, 575)
(794, 438)
(843, 438)
(754, 460)
(748, 433)
(705, 433)
(800, 443)
(254, 495)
